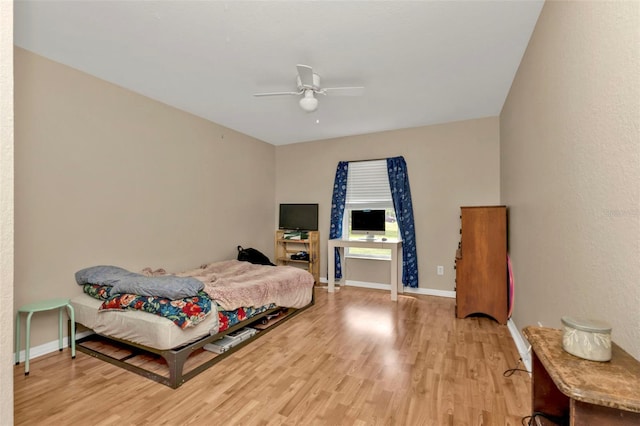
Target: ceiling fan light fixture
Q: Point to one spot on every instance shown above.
(308, 85)
(309, 103)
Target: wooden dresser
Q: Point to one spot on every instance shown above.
(481, 263)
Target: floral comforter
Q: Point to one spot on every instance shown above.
(186, 312)
(228, 319)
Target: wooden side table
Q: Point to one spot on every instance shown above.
(579, 391)
(45, 305)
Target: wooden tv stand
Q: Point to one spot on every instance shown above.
(579, 391)
(285, 248)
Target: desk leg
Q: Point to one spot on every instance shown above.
(18, 338)
(343, 264)
(27, 344)
(60, 344)
(331, 266)
(394, 274)
(72, 328)
(399, 267)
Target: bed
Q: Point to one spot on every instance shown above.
(158, 347)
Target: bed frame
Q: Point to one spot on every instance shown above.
(177, 357)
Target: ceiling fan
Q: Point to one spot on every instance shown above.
(308, 85)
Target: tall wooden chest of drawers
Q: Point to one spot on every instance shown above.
(481, 263)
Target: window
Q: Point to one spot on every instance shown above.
(368, 188)
(399, 181)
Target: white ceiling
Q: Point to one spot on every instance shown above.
(422, 62)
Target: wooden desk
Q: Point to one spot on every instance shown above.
(391, 244)
(582, 391)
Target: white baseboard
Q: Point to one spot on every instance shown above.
(521, 344)
(381, 286)
(431, 292)
(49, 347)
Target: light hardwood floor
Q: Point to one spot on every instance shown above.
(355, 358)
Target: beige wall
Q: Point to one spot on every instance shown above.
(6, 211)
(570, 154)
(450, 165)
(106, 176)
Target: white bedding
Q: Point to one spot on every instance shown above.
(138, 326)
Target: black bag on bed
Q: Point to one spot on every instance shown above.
(253, 256)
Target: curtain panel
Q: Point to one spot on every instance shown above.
(401, 194)
(337, 209)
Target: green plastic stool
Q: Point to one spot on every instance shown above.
(45, 305)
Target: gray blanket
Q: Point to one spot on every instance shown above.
(123, 281)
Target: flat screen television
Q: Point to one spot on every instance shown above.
(368, 222)
(298, 217)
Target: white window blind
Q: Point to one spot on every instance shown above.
(368, 185)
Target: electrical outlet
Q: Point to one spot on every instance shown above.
(440, 270)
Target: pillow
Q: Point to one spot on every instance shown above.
(123, 281)
(102, 274)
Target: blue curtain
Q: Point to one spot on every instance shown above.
(337, 208)
(401, 194)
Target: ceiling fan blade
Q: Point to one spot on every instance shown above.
(343, 91)
(305, 72)
(277, 93)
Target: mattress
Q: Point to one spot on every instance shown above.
(139, 327)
